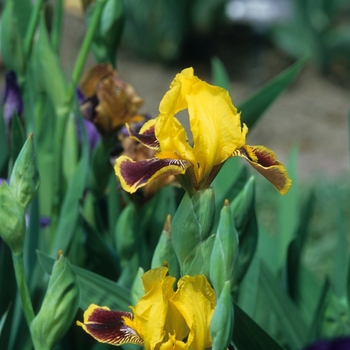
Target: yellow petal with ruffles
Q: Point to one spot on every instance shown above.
(195, 299)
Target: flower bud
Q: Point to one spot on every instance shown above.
(59, 306)
(24, 181)
(164, 253)
(125, 233)
(192, 223)
(221, 325)
(12, 220)
(223, 261)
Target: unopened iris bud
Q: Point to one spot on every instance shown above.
(192, 223)
(164, 254)
(126, 234)
(223, 261)
(12, 220)
(221, 325)
(24, 181)
(59, 306)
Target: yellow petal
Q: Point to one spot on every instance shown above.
(265, 162)
(195, 300)
(151, 311)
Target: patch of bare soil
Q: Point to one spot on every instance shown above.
(312, 114)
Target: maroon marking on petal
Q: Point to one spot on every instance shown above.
(148, 137)
(138, 173)
(109, 327)
(265, 158)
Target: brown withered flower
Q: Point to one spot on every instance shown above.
(109, 102)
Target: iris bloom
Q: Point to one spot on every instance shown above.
(12, 102)
(162, 319)
(109, 101)
(217, 135)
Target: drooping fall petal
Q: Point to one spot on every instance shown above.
(108, 326)
(265, 162)
(133, 175)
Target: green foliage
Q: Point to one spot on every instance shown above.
(249, 244)
(315, 28)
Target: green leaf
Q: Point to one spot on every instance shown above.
(247, 334)
(244, 217)
(248, 289)
(93, 288)
(341, 266)
(4, 154)
(10, 39)
(220, 76)
(23, 10)
(100, 252)
(228, 183)
(292, 324)
(17, 137)
(288, 211)
(253, 108)
(296, 246)
(47, 71)
(69, 214)
(107, 39)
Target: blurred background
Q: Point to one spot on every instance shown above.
(255, 40)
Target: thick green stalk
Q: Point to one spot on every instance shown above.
(64, 112)
(23, 288)
(34, 18)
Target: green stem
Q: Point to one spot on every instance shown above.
(57, 25)
(64, 113)
(34, 18)
(85, 48)
(23, 288)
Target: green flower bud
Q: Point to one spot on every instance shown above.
(164, 253)
(221, 326)
(59, 306)
(335, 319)
(24, 181)
(223, 261)
(12, 220)
(125, 235)
(192, 223)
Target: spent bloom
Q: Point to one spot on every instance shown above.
(162, 318)
(109, 101)
(217, 135)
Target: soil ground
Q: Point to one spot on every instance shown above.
(312, 114)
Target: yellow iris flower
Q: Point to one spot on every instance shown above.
(163, 319)
(217, 135)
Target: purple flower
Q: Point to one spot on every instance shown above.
(331, 344)
(12, 102)
(92, 133)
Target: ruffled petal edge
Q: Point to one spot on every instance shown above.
(265, 162)
(108, 326)
(133, 175)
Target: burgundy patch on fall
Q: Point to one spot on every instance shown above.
(139, 173)
(265, 158)
(108, 327)
(147, 138)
